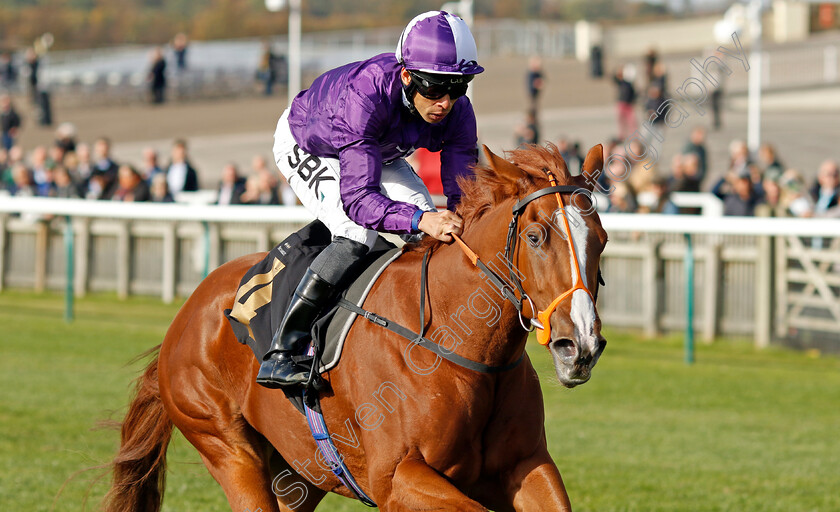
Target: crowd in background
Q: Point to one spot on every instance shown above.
(751, 185)
(759, 185)
(73, 169)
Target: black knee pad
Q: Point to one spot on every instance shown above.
(340, 258)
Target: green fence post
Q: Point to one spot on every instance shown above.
(689, 300)
(69, 289)
(206, 269)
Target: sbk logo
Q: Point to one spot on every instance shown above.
(308, 169)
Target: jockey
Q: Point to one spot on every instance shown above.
(342, 145)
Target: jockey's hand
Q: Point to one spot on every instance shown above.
(441, 225)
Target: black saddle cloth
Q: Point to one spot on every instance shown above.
(266, 290)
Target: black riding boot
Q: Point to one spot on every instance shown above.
(337, 263)
(278, 369)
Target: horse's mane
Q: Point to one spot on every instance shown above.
(486, 188)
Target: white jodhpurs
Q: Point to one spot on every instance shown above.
(315, 180)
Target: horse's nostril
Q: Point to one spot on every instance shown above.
(565, 348)
(602, 344)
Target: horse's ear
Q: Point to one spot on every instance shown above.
(594, 162)
(502, 167)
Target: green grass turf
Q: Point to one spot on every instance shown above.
(741, 430)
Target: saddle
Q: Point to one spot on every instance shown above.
(266, 290)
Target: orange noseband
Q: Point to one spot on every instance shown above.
(544, 317)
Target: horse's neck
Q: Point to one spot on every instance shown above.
(483, 324)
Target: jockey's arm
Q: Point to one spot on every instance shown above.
(364, 202)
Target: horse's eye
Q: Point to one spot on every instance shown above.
(533, 239)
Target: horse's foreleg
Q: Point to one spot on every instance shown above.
(536, 484)
(416, 486)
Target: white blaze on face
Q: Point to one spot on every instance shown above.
(583, 310)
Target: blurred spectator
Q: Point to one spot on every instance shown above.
(718, 77)
(267, 69)
(696, 145)
(613, 147)
(737, 193)
(41, 170)
(179, 48)
(655, 100)
(15, 155)
(826, 191)
(84, 163)
(739, 155)
(5, 170)
(642, 170)
(32, 63)
(23, 185)
(769, 161)
(692, 176)
(104, 167)
(232, 185)
(651, 60)
(596, 62)
(159, 190)
(8, 72)
(9, 122)
(676, 180)
(528, 131)
(794, 196)
(267, 189)
(577, 154)
(535, 81)
(570, 156)
(97, 186)
(65, 136)
(259, 166)
(659, 78)
(71, 163)
(56, 155)
(44, 108)
(684, 178)
(157, 76)
(259, 189)
(130, 186)
(771, 204)
(623, 79)
(662, 197)
(64, 186)
(622, 198)
(150, 167)
(181, 175)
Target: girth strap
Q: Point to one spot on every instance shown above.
(427, 343)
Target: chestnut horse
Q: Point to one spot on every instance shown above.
(417, 432)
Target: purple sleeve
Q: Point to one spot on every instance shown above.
(364, 203)
(460, 152)
(357, 131)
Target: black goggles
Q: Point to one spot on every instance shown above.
(435, 87)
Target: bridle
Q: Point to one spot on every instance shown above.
(542, 322)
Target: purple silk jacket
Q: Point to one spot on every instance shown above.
(356, 113)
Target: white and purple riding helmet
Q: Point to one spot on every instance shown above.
(439, 43)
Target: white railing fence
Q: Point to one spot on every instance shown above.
(768, 278)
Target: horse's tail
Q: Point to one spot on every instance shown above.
(140, 465)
